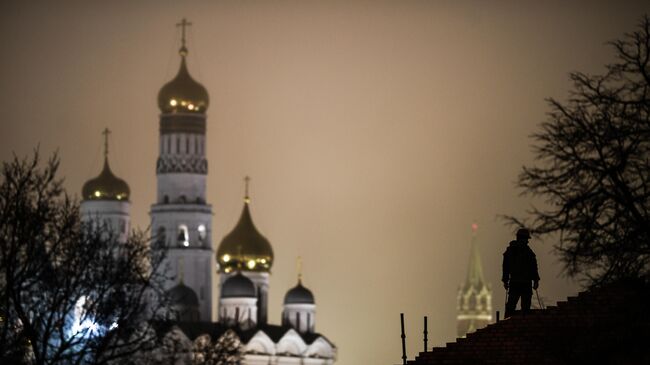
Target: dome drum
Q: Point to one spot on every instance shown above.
(182, 123)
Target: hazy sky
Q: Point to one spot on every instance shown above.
(375, 133)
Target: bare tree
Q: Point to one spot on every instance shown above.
(69, 293)
(592, 168)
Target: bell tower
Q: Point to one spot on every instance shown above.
(181, 217)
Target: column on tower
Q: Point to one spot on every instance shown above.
(181, 218)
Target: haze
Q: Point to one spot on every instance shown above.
(375, 133)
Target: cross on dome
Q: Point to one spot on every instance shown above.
(183, 24)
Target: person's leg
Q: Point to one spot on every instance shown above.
(526, 296)
(513, 298)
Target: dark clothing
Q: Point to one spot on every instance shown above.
(519, 264)
(515, 291)
(519, 271)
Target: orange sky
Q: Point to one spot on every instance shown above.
(374, 132)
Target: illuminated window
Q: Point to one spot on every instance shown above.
(183, 236)
(202, 232)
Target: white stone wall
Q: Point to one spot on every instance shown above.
(238, 310)
(116, 214)
(302, 317)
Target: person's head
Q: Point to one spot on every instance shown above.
(523, 235)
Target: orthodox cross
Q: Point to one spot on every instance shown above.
(106, 132)
(183, 24)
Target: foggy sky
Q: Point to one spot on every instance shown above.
(375, 133)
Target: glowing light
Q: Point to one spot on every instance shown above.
(113, 326)
(190, 107)
(98, 193)
(226, 258)
(201, 228)
(228, 270)
(183, 103)
(186, 243)
(173, 102)
(263, 261)
(251, 264)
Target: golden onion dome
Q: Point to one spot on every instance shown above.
(183, 94)
(244, 247)
(106, 186)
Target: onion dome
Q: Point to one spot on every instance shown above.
(244, 247)
(299, 295)
(183, 295)
(238, 286)
(183, 94)
(106, 186)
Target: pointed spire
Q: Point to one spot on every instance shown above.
(247, 181)
(475, 268)
(106, 132)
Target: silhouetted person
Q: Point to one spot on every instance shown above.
(519, 273)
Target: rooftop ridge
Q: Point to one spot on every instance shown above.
(583, 327)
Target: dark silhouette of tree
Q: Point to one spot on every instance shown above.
(69, 293)
(592, 168)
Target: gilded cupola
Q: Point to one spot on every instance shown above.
(244, 247)
(106, 186)
(183, 94)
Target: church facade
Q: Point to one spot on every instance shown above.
(181, 219)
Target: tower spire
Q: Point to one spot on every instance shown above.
(183, 25)
(106, 132)
(475, 268)
(247, 181)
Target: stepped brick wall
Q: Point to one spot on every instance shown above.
(608, 325)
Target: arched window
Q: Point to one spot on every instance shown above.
(202, 233)
(183, 236)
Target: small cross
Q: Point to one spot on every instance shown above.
(106, 132)
(183, 24)
(247, 181)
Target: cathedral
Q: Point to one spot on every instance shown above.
(181, 219)
(474, 301)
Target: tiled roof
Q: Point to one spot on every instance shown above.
(608, 325)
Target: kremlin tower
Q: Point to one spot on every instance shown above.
(474, 296)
